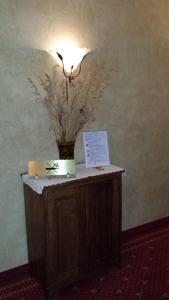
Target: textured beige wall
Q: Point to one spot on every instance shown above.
(134, 109)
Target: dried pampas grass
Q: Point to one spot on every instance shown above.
(72, 104)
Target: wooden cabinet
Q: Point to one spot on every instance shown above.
(73, 229)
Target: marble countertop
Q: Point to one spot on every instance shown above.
(38, 184)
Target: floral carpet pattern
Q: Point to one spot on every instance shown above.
(144, 275)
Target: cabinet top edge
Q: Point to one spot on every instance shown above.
(82, 174)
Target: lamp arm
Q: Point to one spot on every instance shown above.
(80, 66)
(70, 77)
(63, 69)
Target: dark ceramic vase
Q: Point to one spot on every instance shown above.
(66, 149)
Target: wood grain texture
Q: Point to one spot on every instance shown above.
(74, 229)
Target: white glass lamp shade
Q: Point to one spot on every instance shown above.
(72, 57)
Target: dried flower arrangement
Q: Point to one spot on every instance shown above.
(71, 104)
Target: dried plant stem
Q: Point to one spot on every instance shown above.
(71, 104)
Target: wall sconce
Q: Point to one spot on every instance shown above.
(71, 60)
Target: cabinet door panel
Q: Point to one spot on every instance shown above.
(66, 235)
(100, 225)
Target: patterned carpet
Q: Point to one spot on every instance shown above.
(144, 275)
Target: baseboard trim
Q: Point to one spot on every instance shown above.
(127, 235)
(15, 273)
(134, 232)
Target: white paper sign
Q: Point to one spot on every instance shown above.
(96, 148)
